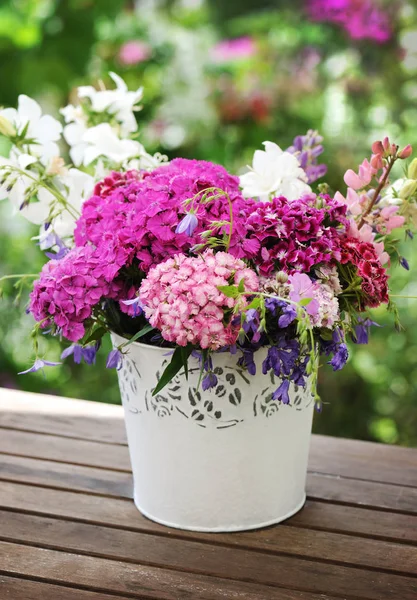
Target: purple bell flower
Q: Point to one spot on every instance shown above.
(114, 359)
(281, 393)
(340, 357)
(38, 365)
(209, 381)
(188, 224)
(136, 304)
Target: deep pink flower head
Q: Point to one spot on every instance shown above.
(68, 289)
(374, 277)
(293, 235)
(234, 49)
(361, 19)
(182, 299)
(135, 218)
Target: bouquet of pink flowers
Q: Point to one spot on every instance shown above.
(186, 256)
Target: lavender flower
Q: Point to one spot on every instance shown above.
(281, 358)
(188, 224)
(404, 263)
(281, 393)
(361, 335)
(38, 365)
(307, 148)
(78, 353)
(289, 313)
(114, 359)
(252, 324)
(209, 381)
(136, 304)
(247, 360)
(340, 357)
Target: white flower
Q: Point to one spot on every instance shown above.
(274, 173)
(119, 102)
(16, 183)
(102, 141)
(42, 130)
(77, 187)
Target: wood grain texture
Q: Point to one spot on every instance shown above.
(13, 588)
(135, 580)
(122, 513)
(69, 530)
(119, 484)
(223, 554)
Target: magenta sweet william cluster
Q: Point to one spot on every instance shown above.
(69, 288)
(294, 236)
(135, 218)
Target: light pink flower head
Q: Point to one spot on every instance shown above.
(182, 299)
(134, 52)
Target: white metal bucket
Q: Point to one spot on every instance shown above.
(227, 459)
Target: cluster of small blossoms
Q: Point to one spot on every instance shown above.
(181, 298)
(297, 235)
(374, 278)
(308, 148)
(140, 215)
(361, 19)
(68, 289)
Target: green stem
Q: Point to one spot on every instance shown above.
(52, 190)
(378, 190)
(20, 275)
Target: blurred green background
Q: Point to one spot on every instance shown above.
(287, 74)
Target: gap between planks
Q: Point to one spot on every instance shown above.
(262, 575)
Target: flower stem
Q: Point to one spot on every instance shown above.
(378, 190)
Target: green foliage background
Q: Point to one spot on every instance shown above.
(304, 75)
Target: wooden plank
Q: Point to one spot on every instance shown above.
(12, 588)
(63, 449)
(141, 581)
(240, 578)
(119, 484)
(219, 555)
(120, 513)
(92, 421)
(362, 493)
(66, 476)
(363, 460)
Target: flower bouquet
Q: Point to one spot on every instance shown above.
(220, 293)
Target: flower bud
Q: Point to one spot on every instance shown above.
(405, 152)
(6, 128)
(282, 277)
(412, 169)
(377, 148)
(408, 190)
(376, 161)
(386, 144)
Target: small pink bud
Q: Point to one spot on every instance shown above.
(405, 152)
(394, 150)
(377, 148)
(386, 144)
(376, 162)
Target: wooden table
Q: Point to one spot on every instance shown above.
(69, 529)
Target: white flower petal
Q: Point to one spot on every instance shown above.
(28, 110)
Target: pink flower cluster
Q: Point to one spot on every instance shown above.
(374, 277)
(69, 288)
(294, 236)
(323, 307)
(134, 217)
(182, 299)
(361, 19)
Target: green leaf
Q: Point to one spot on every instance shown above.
(177, 362)
(184, 356)
(256, 302)
(241, 286)
(230, 291)
(96, 335)
(139, 334)
(304, 301)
